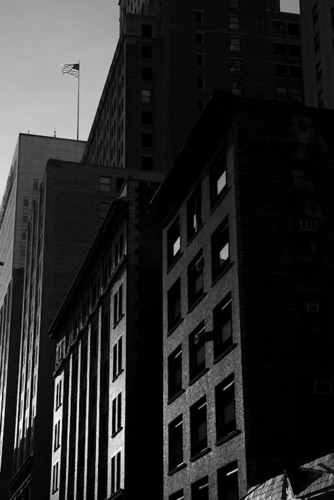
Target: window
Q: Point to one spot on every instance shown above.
(195, 279)
(236, 65)
(234, 4)
(146, 118)
(296, 95)
(175, 372)
(117, 414)
(236, 88)
(225, 408)
(312, 319)
(220, 249)
(105, 324)
(147, 162)
(55, 477)
(56, 443)
(196, 353)
(318, 71)
(199, 59)
(222, 326)
(294, 50)
(105, 184)
(175, 443)
(59, 394)
(105, 377)
(146, 52)
(35, 185)
(198, 16)
(281, 70)
(173, 241)
(315, 14)
(200, 489)
(198, 427)
(178, 495)
(293, 29)
(103, 209)
(174, 304)
(118, 305)
(146, 95)
(283, 91)
(116, 472)
(117, 358)
(218, 180)
(279, 49)
(235, 44)
(146, 30)
(200, 82)
(146, 73)
(278, 26)
(146, 140)
(194, 212)
(320, 387)
(234, 23)
(25, 202)
(228, 482)
(199, 38)
(316, 41)
(296, 72)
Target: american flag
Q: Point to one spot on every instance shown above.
(71, 69)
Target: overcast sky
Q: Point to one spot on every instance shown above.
(36, 37)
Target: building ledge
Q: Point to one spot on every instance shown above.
(176, 469)
(175, 396)
(228, 437)
(198, 376)
(200, 454)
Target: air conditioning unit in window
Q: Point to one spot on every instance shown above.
(310, 225)
(204, 336)
(312, 307)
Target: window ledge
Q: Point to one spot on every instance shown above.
(197, 301)
(174, 327)
(219, 199)
(198, 376)
(221, 273)
(224, 353)
(200, 454)
(229, 436)
(176, 469)
(175, 396)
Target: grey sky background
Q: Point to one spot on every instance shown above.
(36, 37)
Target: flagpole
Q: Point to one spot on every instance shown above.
(78, 103)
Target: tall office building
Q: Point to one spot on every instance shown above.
(72, 201)
(317, 33)
(248, 303)
(107, 439)
(170, 57)
(20, 195)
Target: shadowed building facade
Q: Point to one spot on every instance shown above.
(247, 295)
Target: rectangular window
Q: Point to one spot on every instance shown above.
(316, 41)
(222, 326)
(146, 30)
(173, 241)
(199, 59)
(146, 162)
(146, 52)
(293, 29)
(194, 212)
(220, 249)
(200, 489)
(55, 477)
(105, 323)
(234, 23)
(218, 180)
(178, 495)
(196, 353)
(199, 38)
(318, 71)
(117, 358)
(105, 184)
(117, 414)
(315, 14)
(59, 398)
(56, 436)
(294, 50)
(195, 279)
(235, 44)
(200, 82)
(175, 443)
(146, 140)
(199, 14)
(198, 427)
(116, 472)
(146, 95)
(175, 372)
(118, 305)
(296, 72)
(225, 408)
(279, 49)
(234, 4)
(228, 482)
(281, 70)
(146, 117)
(174, 304)
(35, 185)
(147, 73)
(236, 65)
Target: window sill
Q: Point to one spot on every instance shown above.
(174, 261)
(221, 273)
(229, 436)
(224, 353)
(175, 396)
(196, 302)
(117, 375)
(200, 454)
(193, 236)
(198, 376)
(219, 199)
(174, 327)
(176, 469)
